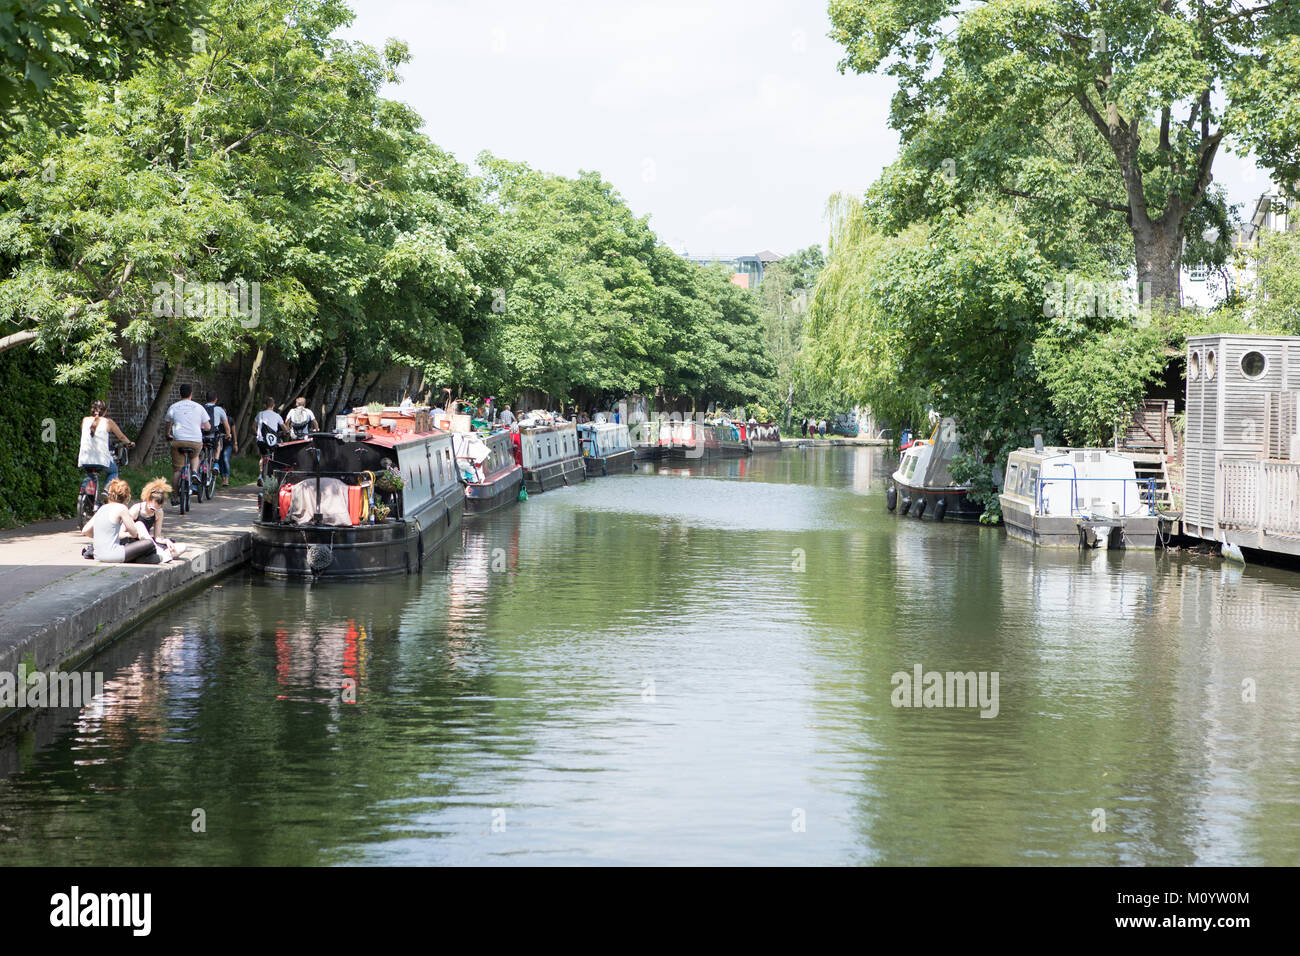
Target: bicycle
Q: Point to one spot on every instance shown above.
(189, 485)
(207, 476)
(93, 493)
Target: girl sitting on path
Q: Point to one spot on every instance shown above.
(114, 518)
(150, 513)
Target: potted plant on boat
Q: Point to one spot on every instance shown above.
(380, 511)
(388, 481)
(375, 412)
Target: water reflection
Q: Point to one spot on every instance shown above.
(668, 667)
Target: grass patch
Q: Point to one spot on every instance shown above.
(243, 471)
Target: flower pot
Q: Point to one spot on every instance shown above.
(375, 419)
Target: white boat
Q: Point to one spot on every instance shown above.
(1078, 497)
(922, 485)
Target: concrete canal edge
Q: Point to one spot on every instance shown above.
(80, 609)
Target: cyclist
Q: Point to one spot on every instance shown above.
(268, 425)
(95, 429)
(222, 437)
(301, 419)
(186, 423)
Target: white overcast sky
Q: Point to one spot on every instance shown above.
(727, 123)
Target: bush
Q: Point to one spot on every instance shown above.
(40, 436)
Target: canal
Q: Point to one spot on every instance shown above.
(692, 665)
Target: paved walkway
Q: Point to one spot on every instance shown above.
(59, 608)
(835, 440)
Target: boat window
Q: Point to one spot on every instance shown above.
(1013, 472)
(1210, 363)
(1194, 366)
(1253, 364)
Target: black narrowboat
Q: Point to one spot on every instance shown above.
(488, 469)
(357, 504)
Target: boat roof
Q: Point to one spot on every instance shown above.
(398, 439)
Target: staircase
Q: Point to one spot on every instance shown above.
(1149, 443)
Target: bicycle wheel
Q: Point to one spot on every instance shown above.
(210, 482)
(183, 492)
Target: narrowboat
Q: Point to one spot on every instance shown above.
(651, 439)
(733, 442)
(548, 451)
(357, 504)
(692, 440)
(922, 485)
(606, 448)
(764, 436)
(487, 468)
(1077, 497)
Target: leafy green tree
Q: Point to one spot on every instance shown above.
(982, 90)
(45, 42)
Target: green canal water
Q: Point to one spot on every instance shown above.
(692, 665)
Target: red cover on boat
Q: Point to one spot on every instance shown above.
(354, 503)
(286, 495)
(519, 448)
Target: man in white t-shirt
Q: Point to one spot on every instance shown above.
(507, 417)
(301, 419)
(186, 423)
(267, 422)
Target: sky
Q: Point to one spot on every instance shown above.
(727, 123)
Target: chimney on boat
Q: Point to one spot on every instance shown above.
(1038, 439)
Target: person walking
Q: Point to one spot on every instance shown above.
(222, 433)
(821, 428)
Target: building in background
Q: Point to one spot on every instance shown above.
(1204, 288)
(746, 271)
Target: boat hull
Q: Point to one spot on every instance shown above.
(957, 505)
(620, 461)
(396, 546)
(483, 497)
(648, 452)
(1063, 531)
(554, 474)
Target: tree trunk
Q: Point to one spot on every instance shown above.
(243, 419)
(342, 394)
(1159, 249)
(144, 442)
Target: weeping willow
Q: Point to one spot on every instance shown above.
(851, 347)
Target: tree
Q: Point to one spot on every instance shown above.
(783, 297)
(47, 42)
(1158, 83)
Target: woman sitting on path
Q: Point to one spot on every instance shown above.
(112, 519)
(150, 513)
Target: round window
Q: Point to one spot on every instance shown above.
(1253, 364)
(1210, 363)
(1194, 366)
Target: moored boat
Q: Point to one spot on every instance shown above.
(922, 484)
(606, 447)
(548, 451)
(764, 436)
(692, 440)
(357, 504)
(488, 470)
(1078, 497)
(651, 439)
(732, 441)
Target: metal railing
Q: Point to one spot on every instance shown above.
(1146, 494)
